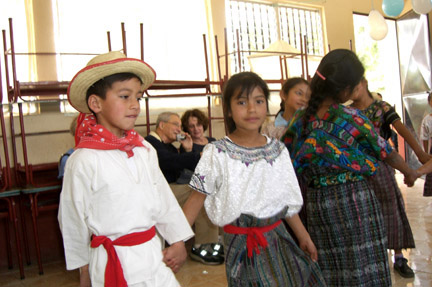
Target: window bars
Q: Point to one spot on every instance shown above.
(260, 24)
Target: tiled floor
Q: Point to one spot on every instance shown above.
(193, 274)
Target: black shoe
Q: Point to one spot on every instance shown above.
(218, 248)
(206, 255)
(401, 266)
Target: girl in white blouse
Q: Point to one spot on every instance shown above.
(248, 185)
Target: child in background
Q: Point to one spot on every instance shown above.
(114, 195)
(399, 234)
(294, 95)
(425, 136)
(247, 184)
(331, 146)
(65, 156)
(425, 169)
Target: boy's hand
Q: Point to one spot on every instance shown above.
(85, 276)
(411, 177)
(309, 248)
(175, 256)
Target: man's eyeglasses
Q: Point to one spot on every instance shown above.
(175, 124)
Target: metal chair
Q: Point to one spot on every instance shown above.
(8, 212)
(8, 196)
(41, 199)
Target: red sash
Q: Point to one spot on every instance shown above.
(254, 237)
(114, 276)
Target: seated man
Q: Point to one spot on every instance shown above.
(173, 164)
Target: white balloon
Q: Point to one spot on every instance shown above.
(422, 6)
(377, 25)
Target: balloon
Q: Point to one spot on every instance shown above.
(422, 6)
(377, 25)
(393, 8)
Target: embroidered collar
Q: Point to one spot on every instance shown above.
(268, 152)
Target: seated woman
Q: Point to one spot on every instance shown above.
(195, 123)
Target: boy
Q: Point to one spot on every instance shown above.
(425, 136)
(114, 194)
(426, 127)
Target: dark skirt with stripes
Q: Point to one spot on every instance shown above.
(346, 225)
(282, 263)
(427, 190)
(399, 233)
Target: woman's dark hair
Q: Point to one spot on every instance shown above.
(340, 69)
(202, 119)
(237, 85)
(288, 85)
(429, 97)
(100, 87)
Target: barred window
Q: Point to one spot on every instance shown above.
(260, 24)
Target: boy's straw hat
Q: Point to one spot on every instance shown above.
(102, 66)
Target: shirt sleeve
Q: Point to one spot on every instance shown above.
(171, 162)
(207, 177)
(295, 200)
(292, 133)
(425, 133)
(72, 214)
(62, 164)
(171, 221)
(390, 115)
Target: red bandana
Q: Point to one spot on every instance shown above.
(91, 135)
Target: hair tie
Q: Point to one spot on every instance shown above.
(320, 75)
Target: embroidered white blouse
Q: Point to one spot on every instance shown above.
(256, 181)
(106, 193)
(426, 128)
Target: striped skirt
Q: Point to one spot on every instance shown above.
(427, 190)
(399, 234)
(346, 225)
(282, 263)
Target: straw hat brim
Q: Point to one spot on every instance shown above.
(89, 75)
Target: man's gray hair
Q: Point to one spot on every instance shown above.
(165, 117)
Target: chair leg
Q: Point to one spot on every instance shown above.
(24, 229)
(8, 244)
(33, 204)
(17, 237)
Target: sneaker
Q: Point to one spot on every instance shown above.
(206, 255)
(401, 267)
(218, 248)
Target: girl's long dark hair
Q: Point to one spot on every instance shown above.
(342, 70)
(244, 82)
